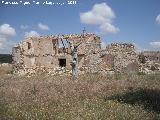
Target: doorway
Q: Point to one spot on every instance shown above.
(62, 62)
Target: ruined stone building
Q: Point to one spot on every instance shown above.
(149, 61)
(52, 54)
(153, 56)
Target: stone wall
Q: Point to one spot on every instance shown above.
(124, 56)
(116, 57)
(151, 56)
(149, 61)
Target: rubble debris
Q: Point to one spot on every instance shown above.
(149, 61)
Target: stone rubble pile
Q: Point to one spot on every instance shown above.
(149, 62)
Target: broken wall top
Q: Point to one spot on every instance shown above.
(120, 46)
(70, 37)
(151, 53)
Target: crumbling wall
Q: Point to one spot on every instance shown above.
(116, 57)
(89, 59)
(124, 55)
(149, 61)
(151, 56)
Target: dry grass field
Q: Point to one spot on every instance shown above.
(90, 97)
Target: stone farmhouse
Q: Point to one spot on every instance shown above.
(52, 54)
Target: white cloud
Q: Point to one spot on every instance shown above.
(1, 45)
(31, 34)
(158, 19)
(7, 30)
(3, 40)
(102, 15)
(6, 34)
(43, 27)
(23, 27)
(155, 45)
(107, 27)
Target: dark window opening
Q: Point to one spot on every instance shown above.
(62, 62)
(29, 45)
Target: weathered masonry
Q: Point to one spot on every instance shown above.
(153, 56)
(51, 54)
(149, 61)
(125, 57)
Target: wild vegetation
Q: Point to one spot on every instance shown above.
(5, 58)
(90, 97)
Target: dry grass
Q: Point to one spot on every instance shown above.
(5, 70)
(90, 97)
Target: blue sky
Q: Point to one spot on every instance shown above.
(133, 21)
